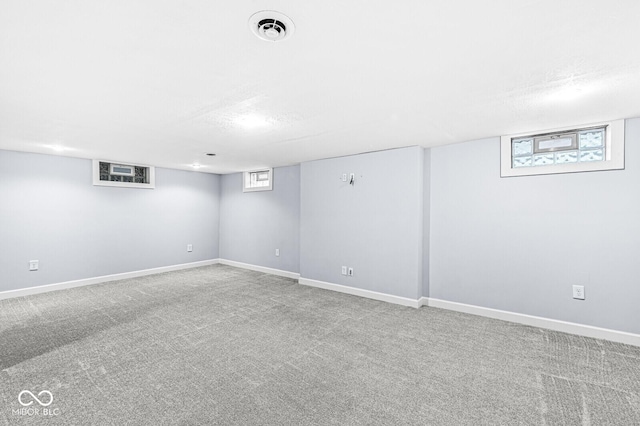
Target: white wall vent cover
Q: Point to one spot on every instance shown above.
(111, 173)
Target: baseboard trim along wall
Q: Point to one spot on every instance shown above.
(272, 271)
(551, 324)
(398, 300)
(102, 279)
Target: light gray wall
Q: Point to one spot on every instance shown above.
(374, 226)
(519, 244)
(426, 221)
(254, 224)
(50, 211)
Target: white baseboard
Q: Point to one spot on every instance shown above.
(272, 271)
(551, 324)
(398, 300)
(102, 279)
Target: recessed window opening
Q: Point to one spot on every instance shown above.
(106, 173)
(258, 180)
(589, 148)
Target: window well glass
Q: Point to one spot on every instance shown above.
(566, 157)
(522, 161)
(592, 155)
(591, 139)
(573, 146)
(522, 147)
(542, 159)
(593, 147)
(258, 180)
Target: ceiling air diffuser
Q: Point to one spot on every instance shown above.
(269, 25)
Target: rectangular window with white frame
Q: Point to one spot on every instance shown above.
(258, 180)
(108, 173)
(585, 148)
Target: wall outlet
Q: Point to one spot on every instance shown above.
(277, 252)
(344, 270)
(578, 292)
(350, 273)
(344, 177)
(33, 265)
(189, 247)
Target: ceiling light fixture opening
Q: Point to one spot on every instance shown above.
(269, 25)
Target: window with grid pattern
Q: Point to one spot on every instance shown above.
(582, 149)
(258, 180)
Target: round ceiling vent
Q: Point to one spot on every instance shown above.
(270, 25)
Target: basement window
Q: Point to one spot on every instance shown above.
(258, 180)
(587, 148)
(107, 173)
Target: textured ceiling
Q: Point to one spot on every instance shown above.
(164, 82)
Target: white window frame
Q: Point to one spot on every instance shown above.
(614, 153)
(98, 182)
(246, 176)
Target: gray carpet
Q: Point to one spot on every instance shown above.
(220, 345)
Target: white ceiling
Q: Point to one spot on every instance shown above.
(163, 82)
